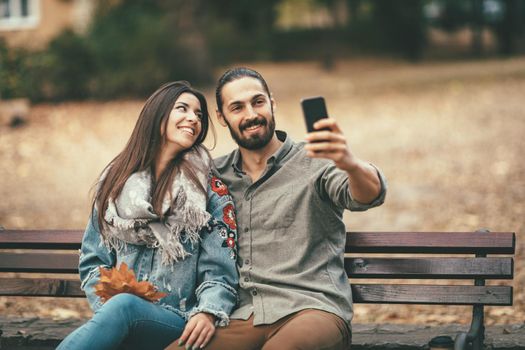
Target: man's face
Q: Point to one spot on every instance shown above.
(247, 110)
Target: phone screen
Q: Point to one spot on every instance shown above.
(314, 108)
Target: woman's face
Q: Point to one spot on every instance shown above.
(184, 123)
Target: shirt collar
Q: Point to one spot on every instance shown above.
(275, 158)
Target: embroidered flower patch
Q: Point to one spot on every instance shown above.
(229, 216)
(230, 242)
(218, 186)
(227, 234)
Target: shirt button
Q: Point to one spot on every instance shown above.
(246, 279)
(254, 292)
(246, 229)
(247, 261)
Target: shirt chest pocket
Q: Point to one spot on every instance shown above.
(274, 209)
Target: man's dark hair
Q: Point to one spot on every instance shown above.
(234, 74)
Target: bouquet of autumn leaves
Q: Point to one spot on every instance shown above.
(122, 280)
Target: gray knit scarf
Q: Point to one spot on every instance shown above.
(131, 218)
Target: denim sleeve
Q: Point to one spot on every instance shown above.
(93, 254)
(217, 275)
(333, 185)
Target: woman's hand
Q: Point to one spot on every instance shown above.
(198, 331)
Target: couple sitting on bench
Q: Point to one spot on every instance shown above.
(169, 213)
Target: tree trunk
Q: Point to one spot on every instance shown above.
(188, 18)
(353, 7)
(508, 29)
(477, 27)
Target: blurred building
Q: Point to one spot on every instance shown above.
(32, 24)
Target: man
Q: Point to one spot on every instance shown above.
(290, 198)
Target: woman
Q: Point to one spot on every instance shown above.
(157, 210)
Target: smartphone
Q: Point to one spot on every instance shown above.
(314, 108)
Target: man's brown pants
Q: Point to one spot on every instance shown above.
(306, 330)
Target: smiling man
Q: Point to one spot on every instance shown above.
(290, 198)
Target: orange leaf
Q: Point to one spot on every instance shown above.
(122, 280)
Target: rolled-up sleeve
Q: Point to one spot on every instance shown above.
(333, 185)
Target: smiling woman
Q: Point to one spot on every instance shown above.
(155, 210)
(180, 131)
(154, 144)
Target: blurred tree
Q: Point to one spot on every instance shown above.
(240, 30)
(187, 20)
(140, 44)
(338, 10)
(455, 14)
(511, 27)
(402, 26)
(11, 63)
(354, 7)
(73, 67)
(477, 27)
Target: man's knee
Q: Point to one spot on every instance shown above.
(239, 335)
(309, 330)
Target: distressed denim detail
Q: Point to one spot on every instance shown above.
(205, 285)
(93, 273)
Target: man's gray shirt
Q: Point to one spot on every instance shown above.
(291, 234)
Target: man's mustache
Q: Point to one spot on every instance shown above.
(253, 122)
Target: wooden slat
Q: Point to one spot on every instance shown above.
(435, 268)
(431, 294)
(431, 242)
(38, 262)
(368, 242)
(40, 239)
(44, 287)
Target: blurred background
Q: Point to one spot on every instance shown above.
(431, 91)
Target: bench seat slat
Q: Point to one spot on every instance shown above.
(40, 239)
(43, 287)
(435, 268)
(38, 262)
(440, 242)
(432, 294)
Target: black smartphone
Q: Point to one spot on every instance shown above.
(314, 108)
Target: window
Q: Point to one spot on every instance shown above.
(19, 14)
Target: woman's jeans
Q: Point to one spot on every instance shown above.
(127, 321)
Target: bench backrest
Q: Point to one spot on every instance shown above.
(379, 257)
(31, 253)
(445, 256)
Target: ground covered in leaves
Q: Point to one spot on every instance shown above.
(448, 136)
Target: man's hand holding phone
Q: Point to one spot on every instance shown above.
(325, 138)
(330, 144)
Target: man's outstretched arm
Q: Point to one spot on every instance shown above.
(364, 183)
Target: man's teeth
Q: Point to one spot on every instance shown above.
(253, 127)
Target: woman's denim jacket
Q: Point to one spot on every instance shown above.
(205, 281)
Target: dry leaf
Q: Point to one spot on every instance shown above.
(122, 280)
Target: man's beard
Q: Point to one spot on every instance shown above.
(254, 142)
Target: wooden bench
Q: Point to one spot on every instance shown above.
(381, 256)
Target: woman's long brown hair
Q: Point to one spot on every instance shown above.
(143, 147)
